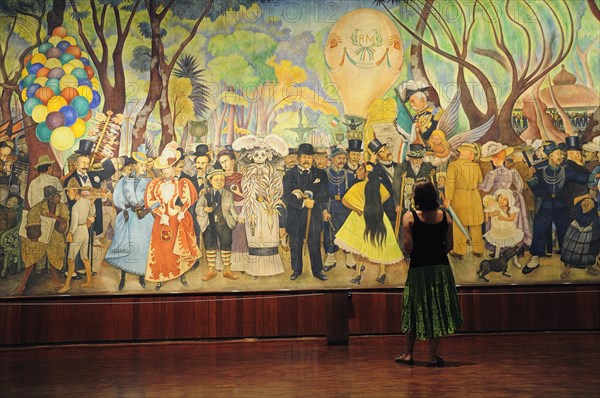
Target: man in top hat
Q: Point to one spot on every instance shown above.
(340, 179)
(548, 183)
(304, 193)
(575, 162)
(384, 168)
(35, 193)
(354, 155)
(203, 159)
(49, 211)
(407, 173)
(462, 179)
(217, 218)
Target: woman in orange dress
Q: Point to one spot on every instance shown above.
(173, 249)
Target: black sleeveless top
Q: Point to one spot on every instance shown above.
(429, 242)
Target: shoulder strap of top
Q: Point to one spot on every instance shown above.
(415, 216)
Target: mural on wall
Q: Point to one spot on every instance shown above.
(216, 146)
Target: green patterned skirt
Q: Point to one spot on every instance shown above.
(430, 307)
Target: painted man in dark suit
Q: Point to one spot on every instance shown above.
(297, 182)
(384, 168)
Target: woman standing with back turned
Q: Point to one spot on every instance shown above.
(430, 308)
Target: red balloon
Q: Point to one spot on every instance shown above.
(27, 59)
(44, 94)
(69, 93)
(74, 51)
(89, 71)
(42, 72)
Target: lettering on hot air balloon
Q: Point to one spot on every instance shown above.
(366, 43)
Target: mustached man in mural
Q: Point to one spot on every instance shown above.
(173, 248)
(53, 215)
(128, 251)
(548, 183)
(335, 214)
(263, 212)
(305, 192)
(217, 218)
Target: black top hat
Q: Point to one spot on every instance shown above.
(85, 147)
(306, 149)
(375, 145)
(416, 151)
(202, 150)
(354, 145)
(573, 143)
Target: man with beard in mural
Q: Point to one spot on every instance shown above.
(304, 193)
(335, 214)
(548, 183)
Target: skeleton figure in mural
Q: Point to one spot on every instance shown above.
(262, 210)
(548, 183)
(233, 183)
(173, 248)
(54, 214)
(499, 177)
(128, 251)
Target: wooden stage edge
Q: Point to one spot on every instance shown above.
(335, 315)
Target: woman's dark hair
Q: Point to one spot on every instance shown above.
(425, 195)
(375, 229)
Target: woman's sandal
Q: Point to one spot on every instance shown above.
(439, 363)
(400, 359)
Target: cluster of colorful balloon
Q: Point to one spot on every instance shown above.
(59, 90)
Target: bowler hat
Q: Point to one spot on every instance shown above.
(306, 149)
(202, 150)
(375, 145)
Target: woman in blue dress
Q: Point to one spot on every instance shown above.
(129, 248)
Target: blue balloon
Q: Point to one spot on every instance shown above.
(63, 45)
(27, 81)
(95, 100)
(85, 82)
(35, 67)
(70, 114)
(32, 89)
(85, 61)
(42, 132)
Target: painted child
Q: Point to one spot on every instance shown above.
(501, 212)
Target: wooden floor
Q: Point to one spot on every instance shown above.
(490, 365)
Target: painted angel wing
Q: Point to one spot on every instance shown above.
(471, 135)
(449, 119)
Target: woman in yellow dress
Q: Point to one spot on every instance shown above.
(367, 233)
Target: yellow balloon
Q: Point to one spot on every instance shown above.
(24, 73)
(70, 40)
(39, 113)
(35, 51)
(86, 92)
(95, 83)
(76, 63)
(68, 68)
(78, 128)
(54, 40)
(41, 80)
(24, 94)
(68, 81)
(52, 63)
(62, 138)
(55, 103)
(38, 59)
(84, 55)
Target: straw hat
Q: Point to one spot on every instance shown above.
(491, 148)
